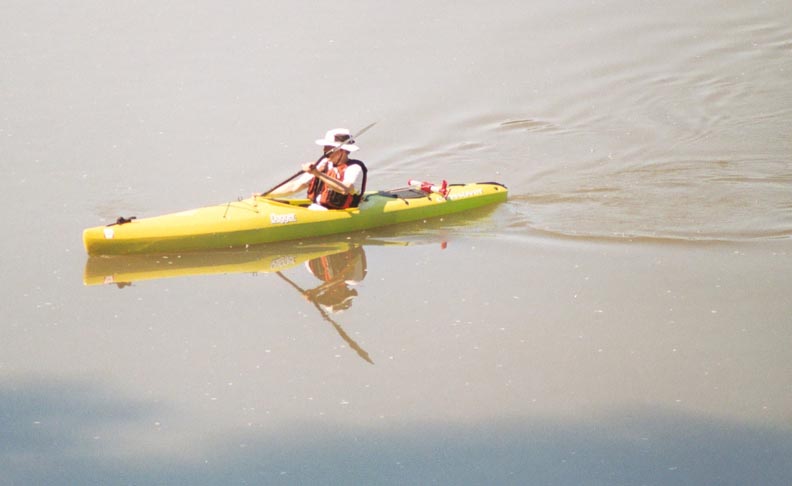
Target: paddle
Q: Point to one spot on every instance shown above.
(360, 351)
(351, 139)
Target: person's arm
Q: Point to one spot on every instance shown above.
(353, 176)
(335, 184)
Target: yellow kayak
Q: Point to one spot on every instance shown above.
(259, 220)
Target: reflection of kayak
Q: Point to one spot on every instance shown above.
(259, 220)
(122, 269)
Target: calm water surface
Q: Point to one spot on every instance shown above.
(623, 319)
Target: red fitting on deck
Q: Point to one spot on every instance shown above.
(430, 187)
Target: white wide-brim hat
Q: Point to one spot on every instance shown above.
(329, 140)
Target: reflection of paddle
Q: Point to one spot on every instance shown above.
(360, 351)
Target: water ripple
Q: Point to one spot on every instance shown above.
(667, 199)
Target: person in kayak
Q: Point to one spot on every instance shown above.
(336, 182)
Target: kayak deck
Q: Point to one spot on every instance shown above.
(257, 220)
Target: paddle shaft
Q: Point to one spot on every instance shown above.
(297, 174)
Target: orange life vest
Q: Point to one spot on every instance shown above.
(320, 192)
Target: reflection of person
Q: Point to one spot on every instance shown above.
(336, 182)
(339, 273)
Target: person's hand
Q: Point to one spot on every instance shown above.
(309, 168)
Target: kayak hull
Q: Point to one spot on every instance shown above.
(256, 221)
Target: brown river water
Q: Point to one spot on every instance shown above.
(624, 318)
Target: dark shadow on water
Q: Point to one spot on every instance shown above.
(51, 432)
(46, 432)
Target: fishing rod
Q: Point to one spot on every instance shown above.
(350, 140)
